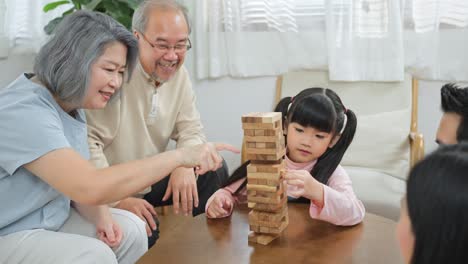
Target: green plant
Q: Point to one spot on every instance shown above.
(120, 10)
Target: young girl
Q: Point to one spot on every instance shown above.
(318, 130)
(433, 222)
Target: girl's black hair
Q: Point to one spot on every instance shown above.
(437, 202)
(322, 109)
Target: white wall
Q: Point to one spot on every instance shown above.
(222, 102)
(11, 67)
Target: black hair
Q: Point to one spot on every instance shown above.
(455, 100)
(437, 202)
(322, 109)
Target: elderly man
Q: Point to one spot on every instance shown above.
(453, 126)
(158, 104)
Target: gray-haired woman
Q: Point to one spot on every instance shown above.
(51, 197)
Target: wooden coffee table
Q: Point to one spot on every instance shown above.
(201, 240)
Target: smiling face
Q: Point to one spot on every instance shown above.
(106, 76)
(165, 28)
(306, 144)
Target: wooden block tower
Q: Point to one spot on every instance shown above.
(266, 192)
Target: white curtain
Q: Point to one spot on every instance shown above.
(370, 40)
(24, 23)
(245, 38)
(436, 45)
(364, 40)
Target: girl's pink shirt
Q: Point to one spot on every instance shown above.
(341, 206)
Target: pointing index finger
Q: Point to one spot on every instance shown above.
(223, 146)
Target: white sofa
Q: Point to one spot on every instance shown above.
(386, 140)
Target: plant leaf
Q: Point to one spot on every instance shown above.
(133, 4)
(69, 11)
(92, 5)
(53, 5)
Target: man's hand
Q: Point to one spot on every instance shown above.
(142, 209)
(183, 187)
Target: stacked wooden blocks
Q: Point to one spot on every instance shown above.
(266, 192)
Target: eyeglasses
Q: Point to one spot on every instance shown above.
(178, 48)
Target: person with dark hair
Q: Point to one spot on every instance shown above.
(157, 106)
(453, 126)
(53, 201)
(318, 129)
(432, 226)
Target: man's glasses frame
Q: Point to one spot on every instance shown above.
(178, 48)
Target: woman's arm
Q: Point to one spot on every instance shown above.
(77, 178)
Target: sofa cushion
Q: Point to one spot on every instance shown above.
(381, 143)
(381, 193)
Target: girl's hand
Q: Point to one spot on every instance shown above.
(307, 186)
(110, 233)
(219, 207)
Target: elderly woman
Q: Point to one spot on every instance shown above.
(51, 197)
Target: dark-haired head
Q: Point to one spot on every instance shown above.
(453, 127)
(436, 208)
(323, 111)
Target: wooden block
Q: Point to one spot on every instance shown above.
(264, 175)
(263, 139)
(275, 125)
(266, 145)
(261, 117)
(254, 228)
(267, 219)
(263, 188)
(268, 207)
(251, 144)
(264, 151)
(253, 167)
(267, 132)
(259, 182)
(253, 181)
(265, 200)
(249, 132)
(268, 157)
(271, 230)
(257, 195)
(266, 162)
(263, 239)
(262, 182)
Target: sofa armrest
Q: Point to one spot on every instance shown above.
(417, 147)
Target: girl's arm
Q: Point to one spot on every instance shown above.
(66, 171)
(335, 203)
(340, 204)
(223, 200)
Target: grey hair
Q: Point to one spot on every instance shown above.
(140, 16)
(64, 63)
